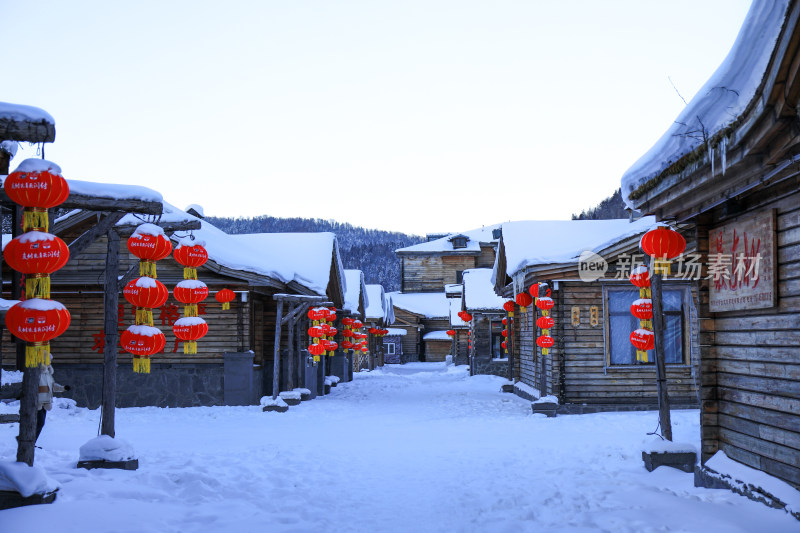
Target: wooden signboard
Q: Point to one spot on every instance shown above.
(742, 264)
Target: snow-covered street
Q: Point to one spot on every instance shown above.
(419, 447)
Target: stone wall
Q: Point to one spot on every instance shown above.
(487, 365)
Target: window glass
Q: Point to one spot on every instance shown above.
(389, 348)
(621, 323)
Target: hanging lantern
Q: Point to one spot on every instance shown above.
(640, 277)
(642, 309)
(372, 331)
(643, 340)
(545, 303)
(142, 341)
(37, 255)
(145, 294)
(545, 342)
(662, 244)
(190, 255)
(451, 332)
(357, 324)
(533, 290)
(190, 292)
(190, 329)
(347, 321)
(225, 296)
(504, 333)
(504, 346)
(467, 317)
(347, 345)
(149, 244)
(37, 321)
(331, 314)
(37, 185)
(509, 307)
(545, 322)
(523, 300)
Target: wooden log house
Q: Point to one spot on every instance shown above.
(378, 314)
(738, 190)
(486, 356)
(592, 366)
(355, 305)
(421, 313)
(461, 342)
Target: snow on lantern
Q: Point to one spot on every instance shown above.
(545, 342)
(663, 244)
(225, 297)
(545, 323)
(37, 321)
(643, 340)
(149, 243)
(191, 255)
(142, 341)
(190, 292)
(145, 294)
(643, 310)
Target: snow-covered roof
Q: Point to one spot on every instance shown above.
(479, 292)
(377, 304)
(113, 191)
(452, 288)
(721, 101)
(455, 308)
(304, 258)
(437, 336)
(24, 113)
(542, 242)
(445, 244)
(396, 331)
(427, 304)
(354, 283)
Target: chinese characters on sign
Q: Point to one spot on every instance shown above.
(742, 264)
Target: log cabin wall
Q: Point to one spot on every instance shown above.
(482, 352)
(430, 273)
(436, 351)
(462, 350)
(751, 358)
(486, 259)
(411, 340)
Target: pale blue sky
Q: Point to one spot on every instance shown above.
(417, 116)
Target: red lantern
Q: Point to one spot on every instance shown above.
(467, 317)
(642, 309)
(643, 339)
(524, 300)
(149, 242)
(504, 333)
(316, 350)
(364, 349)
(332, 331)
(545, 322)
(640, 277)
(315, 332)
(37, 321)
(347, 321)
(191, 256)
(534, 290)
(509, 307)
(357, 324)
(36, 252)
(372, 331)
(545, 341)
(37, 183)
(190, 329)
(504, 345)
(146, 292)
(190, 291)
(662, 244)
(347, 334)
(331, 314)
(545, 303)
(37, 255)
(451, 332)
(225, 296)
(347, 345)
(142, 342)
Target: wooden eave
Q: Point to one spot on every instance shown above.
(763, 143)
(27, 131)
(447, 252)
(102, 203)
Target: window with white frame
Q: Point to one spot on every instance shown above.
(389, 348)
(620, 323)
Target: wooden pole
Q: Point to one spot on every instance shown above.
(276, 364)
(5, 158)
(661, 372)
(111, 334)
(17, 281)
(290, 346)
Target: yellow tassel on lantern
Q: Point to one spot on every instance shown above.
(523, 309)
(511, 314)
(661, 266)
(189, 273)
(316, 359)
(37, 354)
(37, 286)
(226, 305)
(190, 347)
(641, 356)
(141, 364)
(35, 218)
(644, 292)
(545, 351)
(144, 316)
(147, 268)
(191, 310)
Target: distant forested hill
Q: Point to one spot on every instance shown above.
(611, 207)
(368, 250)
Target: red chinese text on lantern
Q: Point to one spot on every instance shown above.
(145, 292)
(643, 339)
(190, 291)
(642, 309)
(37, 321)
(37, 183)
(36, 252)
(545, 341)
(640, 277)
(545, 303)
(545, 322)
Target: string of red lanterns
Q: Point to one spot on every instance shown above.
(149, 244)
(37, 185)
(190, 292)
(544, 322)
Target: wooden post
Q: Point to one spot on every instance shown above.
(17, 281)
(110, 334)
(290, 346)
(276, 365)
(510, 347)
(661, 373)
(5, 158)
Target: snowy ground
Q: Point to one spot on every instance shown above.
(420, 447)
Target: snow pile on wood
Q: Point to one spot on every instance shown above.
(268, 401)
(655, 444)
(377, 305)
(436, 336)
(302, 391)
(289, 395)
(547, 399)
(333, 379)
(354, 284)
(105, 448)
(24, 479)
(427, 304)
(26, 113)
(479, 292)
(722, 99)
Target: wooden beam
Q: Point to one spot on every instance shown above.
(276, 353)
(290, 345)
(298, 298)
(77, 246)
(126, 230)
(129, 275)
(27, 131)
(293, 313)
(95, 203)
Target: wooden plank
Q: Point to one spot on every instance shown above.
(111, 332)
(80, 244)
